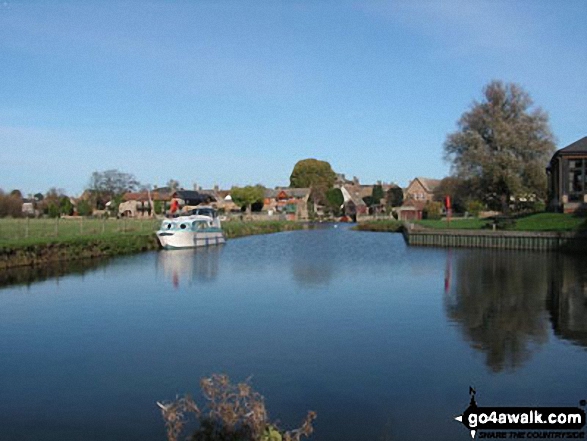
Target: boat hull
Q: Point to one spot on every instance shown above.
(190, 239)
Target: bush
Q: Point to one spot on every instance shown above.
(10, 205)
(233, 412)
(84, 208)
(474, 207)
(53, 210)
(501, 223)
(432, 210)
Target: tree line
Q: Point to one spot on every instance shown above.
(498, 156)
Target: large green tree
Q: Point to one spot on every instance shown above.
(504, 143)
(245, 197)
(314, 174)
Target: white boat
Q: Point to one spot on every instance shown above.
(200, 229)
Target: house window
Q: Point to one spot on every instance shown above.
(576, 179)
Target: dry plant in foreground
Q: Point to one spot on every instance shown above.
(233, 412)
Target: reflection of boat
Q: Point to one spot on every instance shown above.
(189, 265)
(200, 229)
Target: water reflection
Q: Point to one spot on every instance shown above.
(26, 275)
(567, 300)
(186, 266)
(505, 302)
(312, 259)
(498, 300)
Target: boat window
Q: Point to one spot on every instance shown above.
(168, 226)
(183, 226)
(201, 225)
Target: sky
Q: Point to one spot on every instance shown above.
(236, 92)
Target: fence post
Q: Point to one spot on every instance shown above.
(57, 226)
(103, 224)
(81, 226)
(26, 230)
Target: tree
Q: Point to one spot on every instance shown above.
(314, 174)
(377, 194)
(50, 205)
(10, 205)
(110, 183)
(504, 144)
(16, 194)
(173, 185)
(245, 197)
(335, 200)
(84, 208)
(394, 197)
(65, 206)
(459, 190)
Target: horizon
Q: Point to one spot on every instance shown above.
(231, 95)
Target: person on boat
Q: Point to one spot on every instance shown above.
(174, 207)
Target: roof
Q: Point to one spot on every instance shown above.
(139, 196)
(429, 183)
(297, 192)
(192, 195)
(418, 205)
(579, 146)
(290, 192)
(144, 196)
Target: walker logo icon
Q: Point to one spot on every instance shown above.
(523, 422)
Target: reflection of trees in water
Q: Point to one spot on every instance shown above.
(28, 275)
(567, 299)
(498, 299)
(312, 259)
(181, 266)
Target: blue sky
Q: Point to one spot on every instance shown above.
(235, 92)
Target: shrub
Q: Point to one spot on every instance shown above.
(432, 210)
(233, 412)
(474, 207)
(84, 208)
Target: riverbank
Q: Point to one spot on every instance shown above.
(543, 231)
(42, 251)
(380, 226)
(511, 240)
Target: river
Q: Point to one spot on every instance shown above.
(380, 339)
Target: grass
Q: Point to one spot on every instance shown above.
(550, 222)
(42, 241)
(235, 228)
(534, 222)
(32, 231)
(460, 224)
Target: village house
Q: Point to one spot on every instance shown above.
(567, 178)
(138, 204)
(292, 202)
(421, 189)
(416, 195)
(188, 199)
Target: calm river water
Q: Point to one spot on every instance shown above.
(381, 340)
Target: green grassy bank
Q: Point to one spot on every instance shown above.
(41, 250)
(533, 222)
(233, 229)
